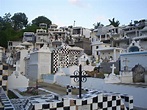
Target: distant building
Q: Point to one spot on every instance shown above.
(29, 37)
(104, 52)
(42, 36)
(78, 32)
(12, 45)
(85, 44)
(81, 38)
(43, 25)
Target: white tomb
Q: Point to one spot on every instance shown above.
(112, 78)
(39, 63)
(17, 80)
(126, 75)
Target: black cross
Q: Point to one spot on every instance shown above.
(80, 76)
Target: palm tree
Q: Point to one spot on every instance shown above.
(96, 25)
(114, 23)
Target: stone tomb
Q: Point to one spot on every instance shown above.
(112, 78)
(17, 80)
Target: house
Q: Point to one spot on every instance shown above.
(29, 37)
(105, 52)
(42, 36)
(12, 44)
(81, 38)
(80, 32)
(142, 38)
(57, 35)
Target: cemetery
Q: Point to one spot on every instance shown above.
(53, 75)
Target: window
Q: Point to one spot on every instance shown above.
(97, 53)
(10, 43)
(133, 49)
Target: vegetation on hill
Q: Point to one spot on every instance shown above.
(12, 27)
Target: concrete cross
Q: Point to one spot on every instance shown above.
(125, 60)
(126, 66)
(113, 67)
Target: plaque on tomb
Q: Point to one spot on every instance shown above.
(138, 73)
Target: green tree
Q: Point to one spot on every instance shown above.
(41, 19)
(30, 28)
(7, 32)
(114, 23)
(7, 18)
(19, 20)
(96, 25)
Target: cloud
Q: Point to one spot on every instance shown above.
(103, 19)
(79, 3)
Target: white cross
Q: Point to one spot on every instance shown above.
(113, 67)
(125, 60)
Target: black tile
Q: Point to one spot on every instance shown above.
(45, 106)
(100, 105)
(117, 102)
(131, 101)
(84, 102)
(66, 108)
(60, 104)
(126, 99)
(95, 99)
(109, 104)
(104, 99)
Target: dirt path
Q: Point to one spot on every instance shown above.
(53, 88)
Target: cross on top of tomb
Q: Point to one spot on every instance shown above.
(126, 65)
(125, 60)
(113, 67)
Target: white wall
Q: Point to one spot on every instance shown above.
(62, 80)
(139, 93)
(86, 32)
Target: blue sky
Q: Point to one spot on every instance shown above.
(84, 12)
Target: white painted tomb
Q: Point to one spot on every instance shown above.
(112, 78)
(126, 77)
(17, 80)
(39, 63)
